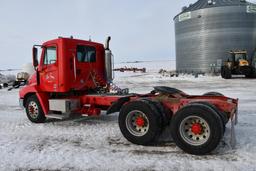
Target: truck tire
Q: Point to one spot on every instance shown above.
(226, 72)
(165, 113)
(223, 116)
(197, 129)
(140, 122)
(213, 94)
(34, 110)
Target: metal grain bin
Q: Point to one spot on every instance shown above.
(207, 30)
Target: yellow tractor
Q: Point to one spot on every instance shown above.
(238, 64)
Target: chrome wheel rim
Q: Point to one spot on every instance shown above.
(194, 130)
(137, 123)
(33, 110)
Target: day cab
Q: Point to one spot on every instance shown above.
(67, 69)
(75, 77)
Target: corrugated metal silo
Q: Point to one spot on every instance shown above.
(206, 30)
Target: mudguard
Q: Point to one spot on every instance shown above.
(116, 106)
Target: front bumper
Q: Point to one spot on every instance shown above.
(21, 102)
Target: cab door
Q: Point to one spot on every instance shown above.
(49, 70)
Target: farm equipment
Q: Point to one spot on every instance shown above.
(238, 64)
(143, 70)
(21, 79)
(75, 77)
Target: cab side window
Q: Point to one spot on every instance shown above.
(86, 53)
(50, 55)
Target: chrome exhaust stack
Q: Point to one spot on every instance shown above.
(107, 43)
(108, 62)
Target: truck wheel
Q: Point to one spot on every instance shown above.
(223, 116)
(140, 122)
(165, 113)
(213, 94)
(197, 129)
(34, 110)
(226, 72)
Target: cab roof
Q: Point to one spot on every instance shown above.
(78, 41)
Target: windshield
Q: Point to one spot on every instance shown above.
(240, 56)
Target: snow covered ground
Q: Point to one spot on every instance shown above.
(97, 144)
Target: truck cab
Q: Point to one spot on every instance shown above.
(68, 64)
(67, 69)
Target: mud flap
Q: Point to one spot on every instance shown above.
(234, 121)
(165, 136)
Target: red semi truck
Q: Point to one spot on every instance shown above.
(75, 76)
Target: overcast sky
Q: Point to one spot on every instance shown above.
(140, 29)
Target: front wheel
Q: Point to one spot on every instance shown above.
(34, 110)
(197, 129)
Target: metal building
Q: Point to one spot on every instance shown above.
(206, 30)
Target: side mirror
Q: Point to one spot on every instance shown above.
(35, 57)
